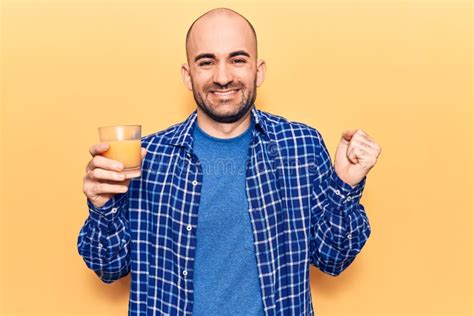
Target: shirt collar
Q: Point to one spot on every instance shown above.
(182, 135)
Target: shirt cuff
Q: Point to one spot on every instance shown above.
(109, 210)
(342, 193)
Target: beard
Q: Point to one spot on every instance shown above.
(238, 111)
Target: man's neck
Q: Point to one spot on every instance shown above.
(223, 130)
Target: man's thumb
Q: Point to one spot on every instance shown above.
(347, 135)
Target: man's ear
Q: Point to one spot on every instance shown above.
(261, 69)
(186, 76)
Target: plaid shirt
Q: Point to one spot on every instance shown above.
(301, 213)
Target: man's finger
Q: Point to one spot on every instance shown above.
(365, 136)
(105, 163)
(101, 188)
(347, 135)
(143, 152)
(98, 149)
(351, 155)
(102, 174)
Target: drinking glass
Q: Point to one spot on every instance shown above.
(125, 146)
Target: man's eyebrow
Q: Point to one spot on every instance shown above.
(209, 55)
(204, 55)
(239, 52)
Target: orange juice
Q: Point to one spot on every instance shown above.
(127, 152)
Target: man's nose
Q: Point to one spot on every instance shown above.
(223, 75)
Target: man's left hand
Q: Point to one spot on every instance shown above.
(356, 154)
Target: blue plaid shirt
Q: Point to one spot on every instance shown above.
(301, 212)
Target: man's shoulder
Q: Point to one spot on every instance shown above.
(282, 127)
(161, 137)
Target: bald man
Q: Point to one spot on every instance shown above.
(233, 204)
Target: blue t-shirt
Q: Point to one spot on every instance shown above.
(225, 269)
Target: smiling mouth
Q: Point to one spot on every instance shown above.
(225, 93)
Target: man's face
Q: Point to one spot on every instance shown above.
(223, 72)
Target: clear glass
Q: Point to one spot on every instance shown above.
(124, 146)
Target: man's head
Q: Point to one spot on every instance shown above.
(222, 70)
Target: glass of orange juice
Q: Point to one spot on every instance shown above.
(125, 146)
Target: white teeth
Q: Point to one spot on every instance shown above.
(225, 93)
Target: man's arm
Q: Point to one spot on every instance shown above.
(104, 239)
(339, 225)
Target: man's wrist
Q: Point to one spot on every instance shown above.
(341, 192)
(110, 209)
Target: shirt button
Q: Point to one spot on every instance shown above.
(189, 227)
(349, 236)
(185, 273)
(114, 210)
(195, 182)
(100, 246)
(338, 192)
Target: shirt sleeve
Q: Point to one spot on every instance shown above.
(104, 239)
(339, 224)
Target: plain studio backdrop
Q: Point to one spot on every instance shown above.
(400, 70)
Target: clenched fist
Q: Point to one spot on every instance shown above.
(103, 177)
(356, 154)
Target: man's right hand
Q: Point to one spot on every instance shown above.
(103, 177)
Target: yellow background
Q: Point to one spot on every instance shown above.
(401, 70)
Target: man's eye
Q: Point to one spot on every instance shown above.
(240, 61)
(204, 63)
